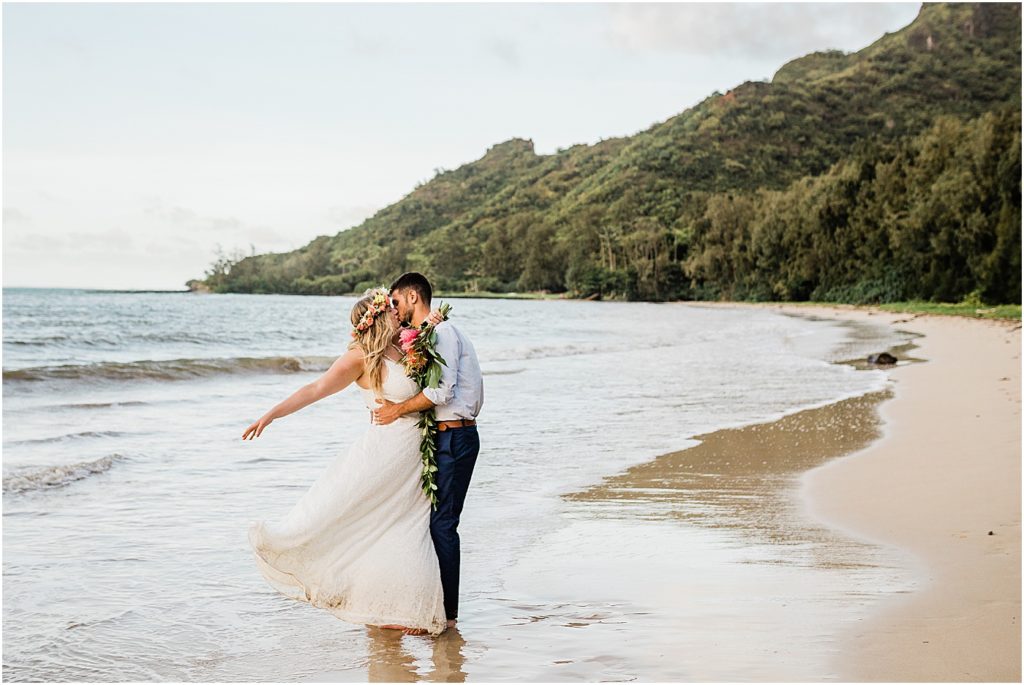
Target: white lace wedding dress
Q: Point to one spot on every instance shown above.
(358, 541)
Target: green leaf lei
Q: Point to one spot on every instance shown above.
(423, 365)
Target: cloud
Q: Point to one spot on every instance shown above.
(230, 232)
(176, 246)
(346, 216)
(505, 50)
(73, 244)
(79, 51)
(14, 217)
(51, 199)
(367, 45)
(32, 242)
(179, 216)
(266, 235)
(110, 240)
(189, 219)
(225, 224)
(761, 30)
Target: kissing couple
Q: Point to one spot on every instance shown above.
(364, 541)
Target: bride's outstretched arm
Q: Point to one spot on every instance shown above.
(345, 370)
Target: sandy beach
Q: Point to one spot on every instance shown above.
(944, 483)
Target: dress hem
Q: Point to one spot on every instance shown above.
(348, 616)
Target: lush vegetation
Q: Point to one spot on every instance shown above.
(969, 309)
(888, 174)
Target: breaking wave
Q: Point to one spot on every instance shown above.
(69, 436)
(49, 477)
(167, 370)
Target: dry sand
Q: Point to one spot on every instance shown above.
(946, 472)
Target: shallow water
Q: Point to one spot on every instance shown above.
(127, 493)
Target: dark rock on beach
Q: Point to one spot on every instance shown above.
(883, 358)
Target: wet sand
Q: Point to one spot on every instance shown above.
(744, 479)
(944, 483)
(765, 592)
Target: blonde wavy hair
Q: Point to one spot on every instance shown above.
(375, 339)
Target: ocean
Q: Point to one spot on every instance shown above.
(127, 491)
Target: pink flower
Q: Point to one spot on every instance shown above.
(407, 337)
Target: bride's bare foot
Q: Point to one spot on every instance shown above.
(405, 629)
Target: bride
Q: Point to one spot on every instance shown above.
(357, 543)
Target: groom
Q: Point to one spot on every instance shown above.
(457, 401)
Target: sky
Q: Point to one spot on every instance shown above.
(139, 137)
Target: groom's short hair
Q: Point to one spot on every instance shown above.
(413, 281)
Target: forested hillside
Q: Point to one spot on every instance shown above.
(887, 174)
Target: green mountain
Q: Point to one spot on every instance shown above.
(890, 173)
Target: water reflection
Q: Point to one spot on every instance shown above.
(391, 658)
(448, 659)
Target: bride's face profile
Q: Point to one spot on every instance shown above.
(395, 321)
(386, 325)
(382, 326)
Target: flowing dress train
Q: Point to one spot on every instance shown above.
(358, 543)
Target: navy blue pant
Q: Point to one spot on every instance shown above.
(457, 449)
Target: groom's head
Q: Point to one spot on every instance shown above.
(410, 294)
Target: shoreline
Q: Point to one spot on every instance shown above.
(999, 312)
(743, 478)
(944, 473)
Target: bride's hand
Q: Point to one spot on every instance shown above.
(434, 317)
(255, 429)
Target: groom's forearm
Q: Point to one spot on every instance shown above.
(389, 412)
(413, 405)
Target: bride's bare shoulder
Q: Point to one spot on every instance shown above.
(354, 353)
(349, 364)
(353, 364)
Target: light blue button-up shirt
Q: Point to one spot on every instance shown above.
(460, 393)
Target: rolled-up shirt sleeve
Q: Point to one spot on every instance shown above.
(449, 349)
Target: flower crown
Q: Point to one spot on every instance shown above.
(378, 306)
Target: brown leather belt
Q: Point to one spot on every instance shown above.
(460, 423)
